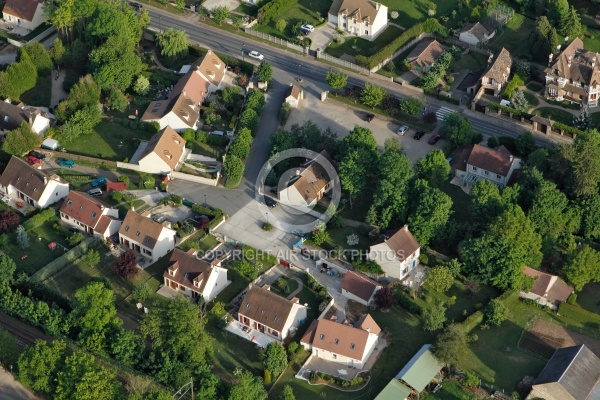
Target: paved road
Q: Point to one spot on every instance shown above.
(10, 389)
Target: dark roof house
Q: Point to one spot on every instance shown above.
(425, 55)
(547, 289)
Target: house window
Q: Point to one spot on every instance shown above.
(337, 341)
(366, 32)
(274, 333)
(344, 25)
(474, 168)
(498, 176)
(334, 356)
(322, 336)
(354, 21)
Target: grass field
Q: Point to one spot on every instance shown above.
(78, 274)
(471, 61)
(41, 94)
(531, 99)
(411, 12)
(355, 45)
(535, 87)
(200, 241)
(304, 11)
(109, 141)
(555, 114)
(284, 285)
(515, 33)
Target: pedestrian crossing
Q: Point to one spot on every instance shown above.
(442, 112)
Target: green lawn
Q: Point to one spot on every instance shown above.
(411, 12)
(589, 297)
(231, 352)
(355, 46)
(40, 95)
(208, 150)
(471, 61)
(284, 286)
(555, 114)
(451, 390)
(595, 119)
(339, 237)
(591, 41)
(531, 99)
(460, 201)
(238, 283)
(535, 87)
(78, 274)
(109, 141)
(304, 11)
(200, 241)
(515, 32)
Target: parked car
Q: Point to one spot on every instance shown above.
(402, 130)
(256, 54)
(369, 117)
(65, 163)
(419, 135)
(98, 181)
(33, 160)
(37, 154)
(434, 139)
(137, 6)
(506, 103)
(94, 192)
(270, 202)
(307, 27)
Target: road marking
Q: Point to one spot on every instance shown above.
(442, 112)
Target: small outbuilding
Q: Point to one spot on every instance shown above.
(50, 144)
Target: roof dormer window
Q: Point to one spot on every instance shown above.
(352, 346)
(337, 341)
(127, 228)
(137, 233)
(322, 337)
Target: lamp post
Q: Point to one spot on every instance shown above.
(243, 45)
(205, 202)
(267, 215)
(299, 79)
(159, 23)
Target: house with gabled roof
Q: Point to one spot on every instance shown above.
(422, 57)
(574, 75)
(269, 313)
(294, 95)
(496, 165)
(90, 215)
(359, 287)
(195, 277)
(181, 109)
(397, 252)
(146, 237)
(496, 76)
(163, 153)
(547, 290)
(350, 346)
(573, 373)
(34, 187)
(309, 185)
(422, 369)
(362, 18)
(11, 117)
(476, 33)
(28, 14)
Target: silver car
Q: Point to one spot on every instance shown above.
(402, 130)
(256, 54)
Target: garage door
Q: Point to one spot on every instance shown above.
(488, 91)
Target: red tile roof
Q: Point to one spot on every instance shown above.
(497, 162)
(118, 186)
(24, 9)
(83, 208)
(548, 286)
(184, 268)
(338, 338)
(266, 307)
(359, 285)
(402, 242)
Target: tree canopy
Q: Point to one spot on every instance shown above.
(21, 140)
(429, 212)
(434, 168)
(337, 80)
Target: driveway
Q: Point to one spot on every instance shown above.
(342, 119)
(322, 36)
(58, 93)
(230, 4)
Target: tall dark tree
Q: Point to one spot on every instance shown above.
(543, 40)
(451, 346)
(38, 366)
(384, 298)
(126, 265)
(9, 220)
(430, 212)
(434, 168)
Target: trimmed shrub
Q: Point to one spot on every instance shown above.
(39, 219)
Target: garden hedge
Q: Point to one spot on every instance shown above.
(273, 9)
(579, 314)
(61, 262)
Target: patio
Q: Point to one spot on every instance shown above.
(250, 334)
(14, 29)
(17, 204)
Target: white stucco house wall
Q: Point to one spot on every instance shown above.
(146, 237)
(362, 18)
(397, 253)
(271, 314)
(359, 287)
(36, 188)
(476, 33)
(194, 277)
(349, 346)
(90, 215)
(24, 13)
(496, 165)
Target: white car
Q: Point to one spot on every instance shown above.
(308, 28)
(402, 130)
(256, 54)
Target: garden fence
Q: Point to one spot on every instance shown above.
(343, 63)
(276, 40)
(464, 45)
(63, 261)
(402, 50)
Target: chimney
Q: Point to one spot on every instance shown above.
(550, 58)
(45, 180)
(405, 227)
(377, 5)
(295, 300)
(267, 287)
(297, 172)
(593, 62)
(511, 158)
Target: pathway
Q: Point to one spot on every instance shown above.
(544, 103)
(298, 290)
(58, 93)
(158, 63)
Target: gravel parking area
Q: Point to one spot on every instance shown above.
(342, 119)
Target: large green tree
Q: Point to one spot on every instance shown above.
(412, 105)
(39, 57)
(458, 131)
(275, 359)
(359, 156)
(173, 43)
(7, 270)
(451, 346)
(495, 312)
(585, 160)
(84, 93)
(21, 140)
(82, 378)
(95, 314)
(434, 316)
(18, 78)
(583, 266)
(434, 168)
(543, 40)
(590, 217)
(440, 278)
(248, 387)
(431, 209)
(337, 80)
(264, 72)
(571, 25)
(372, 95)
(233, 168)
(38, 366)
(558, 11)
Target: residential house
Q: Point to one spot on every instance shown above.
(496, 165)
(362, 18)
(574, 75)
(496, 76)
(397, 253)
(146, 237)
(416, 375)
(422, 58)
(548, 290)
(12, 116)
(359, 287)
(309, 186)
(294, 95)
(163, 154)
(350, 346)
(573, 373)
(34, 187)
(28, 14)
(269, 313)
(90, 215)
(194, 277)
(181, 109)
(476, 33)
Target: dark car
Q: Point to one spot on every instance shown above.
(419, 135)
(369, 117)
(270, 202)
(137, 6)
(37, 154)
(434, 139)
